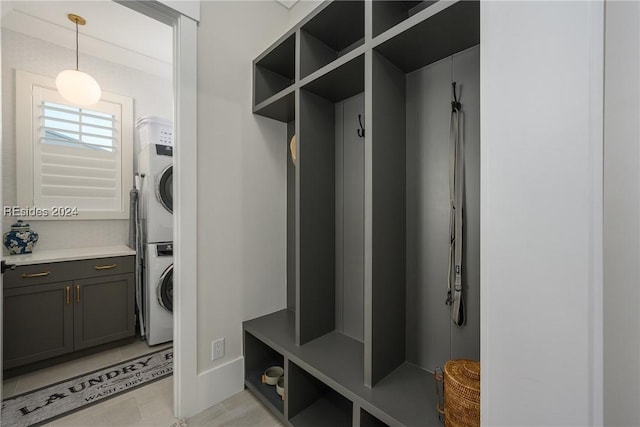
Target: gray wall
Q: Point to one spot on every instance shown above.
(432, 338)
(621, 215)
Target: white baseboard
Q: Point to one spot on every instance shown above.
(219, 383)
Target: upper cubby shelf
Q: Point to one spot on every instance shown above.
(333, 32)
(388, 13)
(340, 83)
(280, 107)
(450, 30)
(274, 70)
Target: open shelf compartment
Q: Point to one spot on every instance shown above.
(451, 30)
(389, 13)
(274, 71)
(331, 109)
(259, 357)
(412, 74)
(368, 420)
(336, 358)
(279, 107)
(333, 32)
(313, 403)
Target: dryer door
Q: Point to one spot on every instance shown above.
(165, 289)
(164, 188)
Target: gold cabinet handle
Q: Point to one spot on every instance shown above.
(77, 293)
(68, 295)
(29, 276)
(105, 267)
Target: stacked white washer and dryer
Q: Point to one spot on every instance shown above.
(155, 200)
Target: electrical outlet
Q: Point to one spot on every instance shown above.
(217, 349)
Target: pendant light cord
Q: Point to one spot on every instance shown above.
(76, 44)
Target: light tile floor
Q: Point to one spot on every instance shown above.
(151, 405)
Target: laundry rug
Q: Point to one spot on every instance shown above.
(39, 406)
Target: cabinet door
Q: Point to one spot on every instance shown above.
(38, 323)
(103, 310)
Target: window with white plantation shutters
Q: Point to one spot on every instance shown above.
(80, 157)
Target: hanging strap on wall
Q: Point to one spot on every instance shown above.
(140, 261)
(456, 184)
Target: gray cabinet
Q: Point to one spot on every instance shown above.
(52, 309)
(38, 323)
(104, 310)
(368, 209)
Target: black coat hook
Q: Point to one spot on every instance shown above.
(455, 104)
(361, 130)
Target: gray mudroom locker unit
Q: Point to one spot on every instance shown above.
(366, 88)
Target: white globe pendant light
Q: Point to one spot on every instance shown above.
(78, 87)
(75, 86)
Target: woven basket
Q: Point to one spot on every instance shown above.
(461, 393)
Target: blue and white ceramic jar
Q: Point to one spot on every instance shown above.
(20, 240)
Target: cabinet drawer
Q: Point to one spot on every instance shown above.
(36, 274)
(99, 267)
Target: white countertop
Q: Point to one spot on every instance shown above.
(59, 255)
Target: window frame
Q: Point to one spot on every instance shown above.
(26, 126)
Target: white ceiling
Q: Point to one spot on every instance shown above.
(113, 32)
